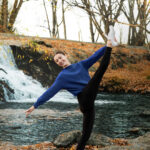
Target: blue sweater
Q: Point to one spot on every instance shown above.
(72, 78)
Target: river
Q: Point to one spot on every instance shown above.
(116, 114)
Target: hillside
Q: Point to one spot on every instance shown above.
(129, 70)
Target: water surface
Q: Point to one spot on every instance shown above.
(116, 114)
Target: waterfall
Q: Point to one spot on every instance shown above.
(25, 87)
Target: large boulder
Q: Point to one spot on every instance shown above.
(140, 143)
(99, 139)
(68, 138)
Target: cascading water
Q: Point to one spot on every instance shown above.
(25, 87)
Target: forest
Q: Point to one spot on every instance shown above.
(100, 13)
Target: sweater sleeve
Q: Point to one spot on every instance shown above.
(49, 93)
(87, 63)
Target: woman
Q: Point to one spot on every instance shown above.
(75, 78)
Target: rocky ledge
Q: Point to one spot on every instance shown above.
(67, 141)
(128, 72)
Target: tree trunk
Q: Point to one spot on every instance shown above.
(87, 3)
(54, 16)
(63, 18)
(49, 29)
(14, 14)
(137, 37)
(91, 28)
(4, 15)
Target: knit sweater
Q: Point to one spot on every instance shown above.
(72, 78)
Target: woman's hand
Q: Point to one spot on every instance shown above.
(29, 111)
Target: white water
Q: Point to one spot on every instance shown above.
(26, 89)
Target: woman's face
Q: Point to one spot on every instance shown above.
(61, 60)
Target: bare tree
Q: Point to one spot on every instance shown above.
(55, 31)
(144, 21)
(49, 29)
(14, 13)
(63, 19)
(55, 24)
(7, 20)
(87, 5)
(99, 10)
(140, 20)
(4, 14)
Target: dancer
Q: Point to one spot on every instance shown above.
(75, 78)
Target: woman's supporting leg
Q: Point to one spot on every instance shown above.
(87, 97)
(88, 121)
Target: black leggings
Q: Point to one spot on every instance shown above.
(87, 97)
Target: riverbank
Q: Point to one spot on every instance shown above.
(140, 143)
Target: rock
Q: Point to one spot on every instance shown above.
(135, 130)
(99, 139)
(42, 43)
(139, 131)
(67, 138)
(145, 113)
(140, 143)
(9, 90)
(132, 147)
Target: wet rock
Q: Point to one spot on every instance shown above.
(99, 139)
(42, 43)
(135, 130)
(15, 127)
(9, 90)
(1, 69)
(142, 142)
(67, 138)
(115, 147)
(145, 113)
(139, 130)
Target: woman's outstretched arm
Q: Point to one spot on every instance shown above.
(87, 63)
(49, 93)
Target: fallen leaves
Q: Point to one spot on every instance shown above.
(120, 142)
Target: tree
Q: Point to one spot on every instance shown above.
(100, 11)
(14, 13)
(140, 20)
(63, 19)
(4, 14)
(49, 29)
(7, 20)
(54, 32)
